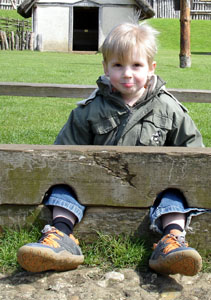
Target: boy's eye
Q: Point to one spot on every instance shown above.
(117, 65)
(137, 65)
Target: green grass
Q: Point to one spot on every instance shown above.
(10, 241)
(115, 252)
(106, 252)
(50, 67)
(34, 120)
(12, 14)
(169, 37)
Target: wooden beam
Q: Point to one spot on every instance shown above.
(83, 91)
(196, 96)
(45, 90)
(117, 184)
(104, 175)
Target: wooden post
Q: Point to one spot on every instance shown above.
(12, 40)
(31, 41)
(17, 41)
(185, 54)
(39, 42)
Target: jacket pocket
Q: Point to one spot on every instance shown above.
(106, 125)
(154, 130)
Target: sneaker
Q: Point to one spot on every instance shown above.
(173, 256)
(54, 251)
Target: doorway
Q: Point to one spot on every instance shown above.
(85, 28)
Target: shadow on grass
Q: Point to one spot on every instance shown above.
(201, 53)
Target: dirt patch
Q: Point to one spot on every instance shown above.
(93, 284)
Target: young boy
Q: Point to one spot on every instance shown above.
(130, 108)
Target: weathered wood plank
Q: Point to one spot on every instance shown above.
(187, 95)
(104, 175)
(83, 91)
(45, 90)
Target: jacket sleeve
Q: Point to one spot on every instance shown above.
(184, 132)
(76, 131)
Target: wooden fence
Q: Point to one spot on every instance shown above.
(200, 10)
(15, 34)
(83, 91)
(9, 4)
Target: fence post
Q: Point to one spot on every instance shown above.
(185, 59)
(39, 42)
(16, 42)
(31, 41)
(12, 40)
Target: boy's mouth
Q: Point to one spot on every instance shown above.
(128, 84)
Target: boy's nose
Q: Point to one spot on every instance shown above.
(127, 72)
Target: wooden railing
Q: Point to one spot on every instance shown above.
(83, 91)
(15, 34)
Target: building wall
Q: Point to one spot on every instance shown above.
(112, 16)
(53, 23)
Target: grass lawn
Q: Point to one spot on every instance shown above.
(11, 14)
(37, 120)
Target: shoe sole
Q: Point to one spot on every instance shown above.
(39, 260)
(186, 262)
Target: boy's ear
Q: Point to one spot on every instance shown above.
(153, 67)
(105, 68)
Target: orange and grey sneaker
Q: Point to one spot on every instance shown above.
(54, 251)
(173, 256)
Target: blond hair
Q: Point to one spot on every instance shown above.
(124, 38)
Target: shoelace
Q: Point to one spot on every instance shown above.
(74, 239)
(172, 242)
(50, 237)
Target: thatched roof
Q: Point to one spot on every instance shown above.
(146, 9)
(25, 9)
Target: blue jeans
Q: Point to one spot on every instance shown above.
(167, 202)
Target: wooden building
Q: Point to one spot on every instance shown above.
(81, 25)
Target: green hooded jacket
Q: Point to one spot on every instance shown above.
(158, 119)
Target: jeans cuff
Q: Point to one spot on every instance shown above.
(76, 208)
(155, 216)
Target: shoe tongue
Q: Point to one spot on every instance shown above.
(176, 232)
(47, 228)
(180, 236)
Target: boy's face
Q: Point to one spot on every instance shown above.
(129, 77)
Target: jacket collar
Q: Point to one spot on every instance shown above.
(155, 85)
